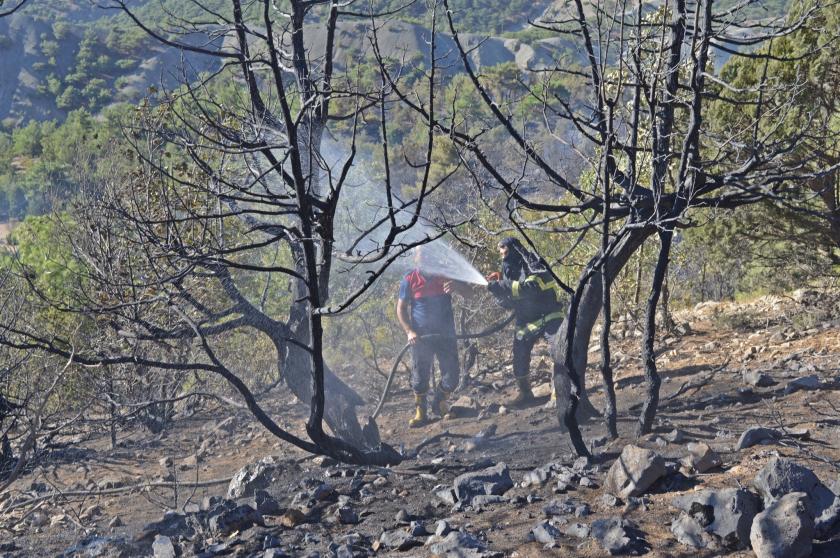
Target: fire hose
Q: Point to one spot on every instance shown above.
(495, 328)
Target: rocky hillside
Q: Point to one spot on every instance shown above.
(52, 65)
(742, 462)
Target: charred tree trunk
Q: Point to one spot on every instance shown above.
(576, 345)
(652, 379)
(610, 411)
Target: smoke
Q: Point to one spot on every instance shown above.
(364, 204)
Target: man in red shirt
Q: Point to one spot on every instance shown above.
(424, 309)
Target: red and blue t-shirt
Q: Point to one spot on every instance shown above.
(431, 307)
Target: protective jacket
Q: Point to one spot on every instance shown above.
(528, 288)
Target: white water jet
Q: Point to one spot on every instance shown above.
(439, 258)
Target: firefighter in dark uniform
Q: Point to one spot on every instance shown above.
(527, 287)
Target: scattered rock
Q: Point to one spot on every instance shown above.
(442, 528)
(254, 476)
(100, 547)
(757, 378)
(545, 533)
(459, 544)
(782, 476)
(446, 493)
(616, 535)
(785, 529)
(700, 458)
(292, 518)
(397, 540)
(609, 500)
(265, 504)
(559, 508)
(172, 525)
(810, 382)
(239, 518)
(537, 477)
(690, 532)
(733, 512)
(403, 517)
(579, 530)
(635, 470)
(757, 435)
(347, 515)
(493, 480)
(162, 547)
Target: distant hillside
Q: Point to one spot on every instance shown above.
(53, 65)
(59, 56)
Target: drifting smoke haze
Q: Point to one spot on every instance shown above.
(364, 203)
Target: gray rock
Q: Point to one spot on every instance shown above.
(757, 378)
(239, 518)
(757, 435)
(487, 499)
(459, 544)
(701, 458)
(210, 502)
(491, 481)
(582, 510)
(172, 525)
(609, 500)
(579, 530)
(733, 510)
(417, 529)
(254, 476)
(635, 470)
(810, 382)
(442, 528)
(782, 476)
(162, 547)
(265, 504)
(446, 494)
(580, 464)
(612, 534)
(559, 508)
(537, 477)
(545, 533)
(785, 529)
(347, 515)
(100, 547)
(398, 540)
(690, 532)
(402, 517)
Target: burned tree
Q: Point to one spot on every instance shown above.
(641, 124)
(226, 225)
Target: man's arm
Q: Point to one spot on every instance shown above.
(405, 320)
(457, 287)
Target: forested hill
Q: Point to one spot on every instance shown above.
(58, 58)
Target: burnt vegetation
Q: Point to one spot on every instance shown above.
(237, 235)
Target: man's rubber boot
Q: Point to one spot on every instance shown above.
(525, 396)
(439, 405)
(420, 417)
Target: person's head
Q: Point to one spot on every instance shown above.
(421, 257)
(510, 248)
